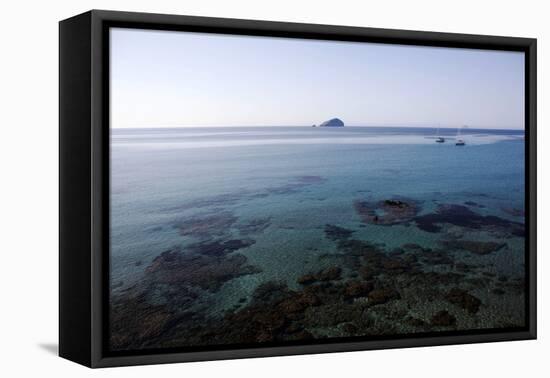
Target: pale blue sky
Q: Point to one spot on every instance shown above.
(178, 79)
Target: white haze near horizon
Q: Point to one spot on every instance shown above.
(181, 79)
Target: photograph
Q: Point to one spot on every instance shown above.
(275, 189)
(272, 191)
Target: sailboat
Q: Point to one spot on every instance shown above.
(459, 140)
(439, 138)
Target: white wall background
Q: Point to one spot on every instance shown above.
(28, 208)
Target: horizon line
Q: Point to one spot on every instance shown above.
(317, 126)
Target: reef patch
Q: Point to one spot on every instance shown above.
(207, 225)
(462, 216)
(387, 212)
(208, 271)
(477, 247)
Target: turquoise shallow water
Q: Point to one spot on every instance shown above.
(160, 177)
(240, 235)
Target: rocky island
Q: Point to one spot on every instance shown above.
(335, 122)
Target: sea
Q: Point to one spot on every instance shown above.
(281, 186)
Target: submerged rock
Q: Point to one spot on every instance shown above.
(208, 271)
(477, 247)
(328, 274)
(443, 319)
(380, 296)
(412, 246)
(462, 216)
(299, 302)
(330, 315)
(390, 291)
(396, 203)
(434, 279)
(336, 233)
(387, 212)
(270, 292)
(436, 258)
(357, 288)
(415, 322)
(463, 299)
(306, 279)
(207, 225)
(349, 328)
(134, 322)
(275, 313)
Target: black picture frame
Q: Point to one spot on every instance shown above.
(84, 182)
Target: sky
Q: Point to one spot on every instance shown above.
(182, 79)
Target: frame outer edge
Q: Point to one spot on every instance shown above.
(74, 192)
(98, 72)
(97, 173)
(415, 36)
(532, 51)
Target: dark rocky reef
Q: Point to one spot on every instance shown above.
(275, 313)
(329, 274)
(443, 319)
(463, 299)
(383, 295)
(387, 212)
(357, 288)
(477, 247)
(365, 289)
(387, 298)
(402, 211)
(207, 225)
(155, 307)
(129, 331)
(462, 216)
(336, 233)
(206, 265)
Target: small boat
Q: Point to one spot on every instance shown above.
(439, 138)
(459, 140)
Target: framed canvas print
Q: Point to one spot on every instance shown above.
(233, 188)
